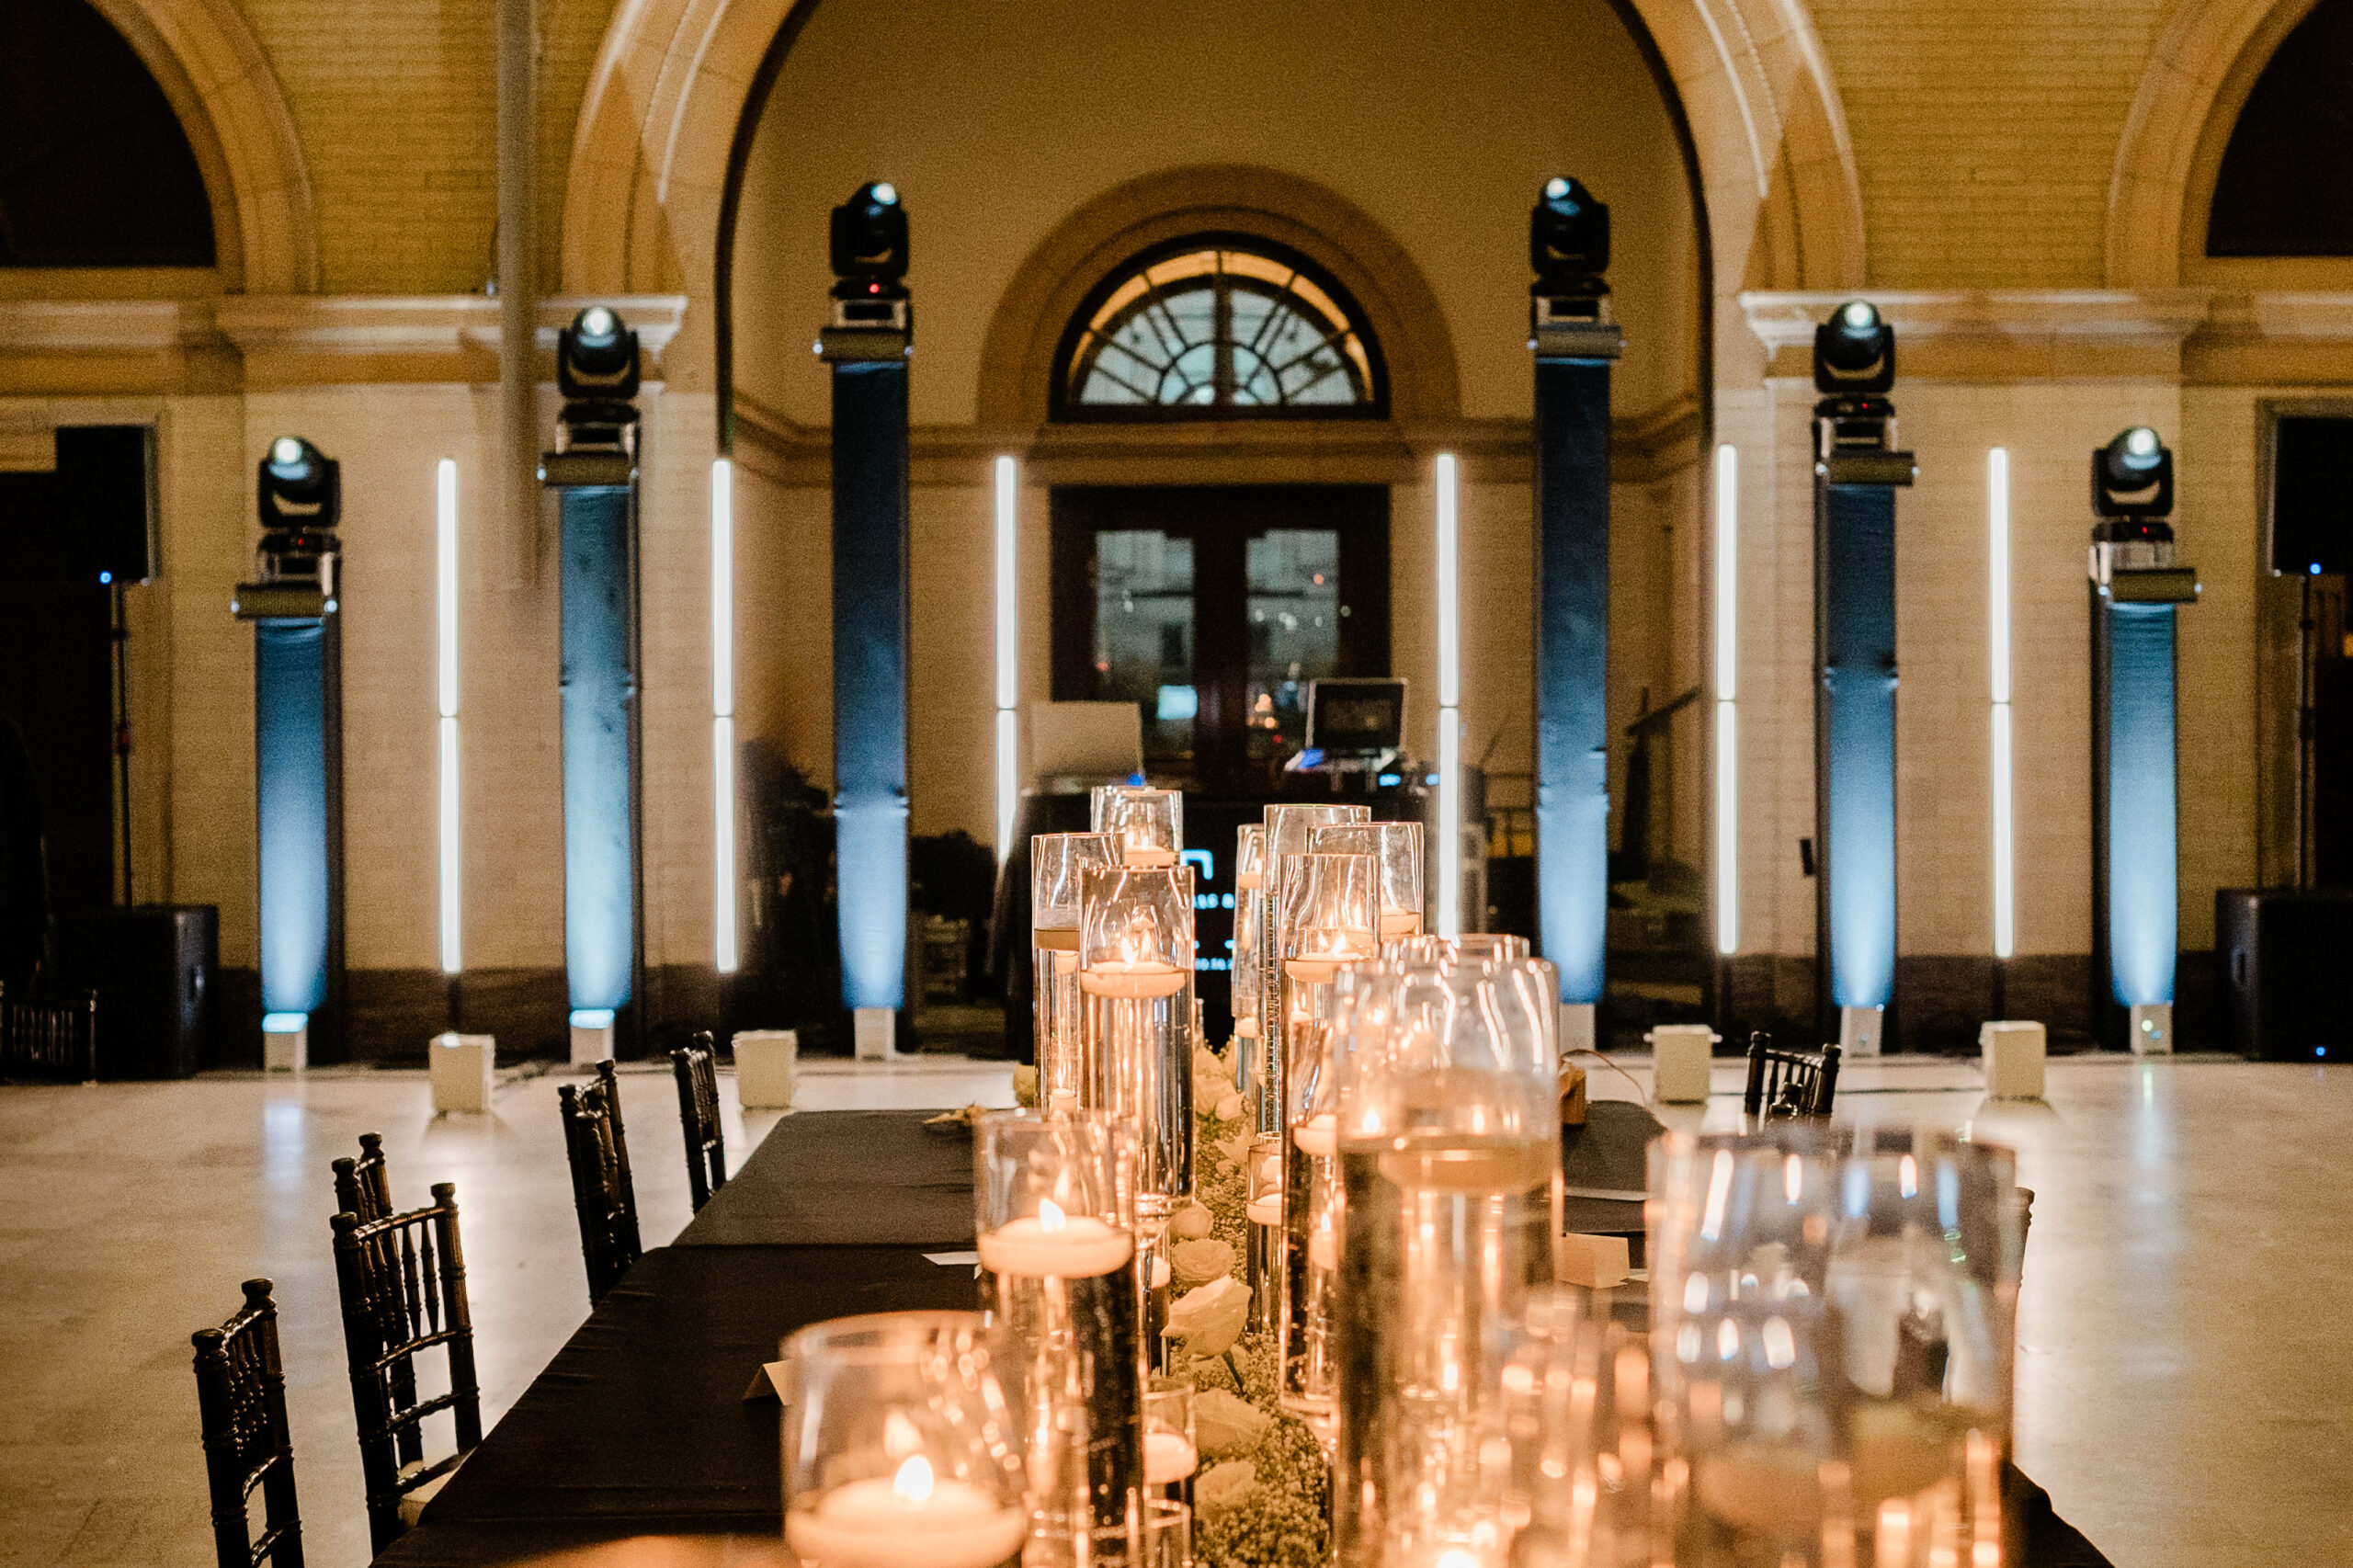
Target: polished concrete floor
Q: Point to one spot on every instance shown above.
(2185, 1336)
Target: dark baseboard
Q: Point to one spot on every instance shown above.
(1940, 999)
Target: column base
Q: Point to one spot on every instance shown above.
(1859, 1031)
(285, 1042)
(875, 1029)
(2150, 1028)
(592, 1036)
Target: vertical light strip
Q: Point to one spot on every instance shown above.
(1008, 654)
(723, 947)
(445, 556)
(1727, 640)
(1998, 593)
(1449, 713)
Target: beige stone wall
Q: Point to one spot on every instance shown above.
(395, 102)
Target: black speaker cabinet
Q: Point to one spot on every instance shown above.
(2283, 954)
(106, 497)
(152, 969)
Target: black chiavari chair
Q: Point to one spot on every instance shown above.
(240, 1397)
(697, 1073)
(602, 1193)
(402, 1278)
(1787, 1084)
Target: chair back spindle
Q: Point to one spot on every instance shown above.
(603, 1195)
(364, 1186)
(403, 1278)
(240, 1398)
(698, 1074)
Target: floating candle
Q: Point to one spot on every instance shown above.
(912, 1520)
(1324, 953)
(1316, 1136)
(1132, 978)
(1396, 922)
(1168, 1457)
(1267, 1210)
(1149, 856)
(1052, 1244)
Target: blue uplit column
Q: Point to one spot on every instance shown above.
(297, 789)
(1573, 658)
(298, 750)
(600, 682)
(2135, 587)
(866, 342)
(594, 473)
(1576, 344)
(1857, 471)
(871, 689)
(2133, 697)
(1855, 719)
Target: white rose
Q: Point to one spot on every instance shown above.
(1229, 1108)
(1199, 1262)
(1209, 1318)
(1224, 1487)
(1224, 1424)
(1189, 1223)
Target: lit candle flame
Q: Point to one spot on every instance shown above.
(1050, 1215)
(913, 1484)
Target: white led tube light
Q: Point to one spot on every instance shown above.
(1997, 594)
(445, 575)
(1008, 654)
(723, 940)
(1449, 708)
(1727, 640)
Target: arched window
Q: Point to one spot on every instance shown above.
(1218, 327)
(2285, 183)
(96, 171)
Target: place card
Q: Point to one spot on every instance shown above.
(767, 1383)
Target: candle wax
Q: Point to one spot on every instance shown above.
(1316, 1136)
(1168, 1457)
(868, 1524)
(1267, 1210)
(1083, 1247)
(1396, 922)
(1246, 1027)
(1132, 978)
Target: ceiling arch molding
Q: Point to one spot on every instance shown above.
(2198, 76)
(218, 83)
(675, 81)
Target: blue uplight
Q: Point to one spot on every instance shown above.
(592, 1017)
(2315, 568)
(289, 725)
(2142, 895)
(105, 577)
(599, 692)
(285, 1023)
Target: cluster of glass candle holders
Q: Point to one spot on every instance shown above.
(1827, 1382)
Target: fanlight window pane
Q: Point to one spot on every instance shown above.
(1220, 329)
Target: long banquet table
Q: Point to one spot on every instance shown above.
(635, 1446)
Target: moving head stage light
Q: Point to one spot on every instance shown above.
(299, 493)
(597, 372)
(1568, 249)
(868, 245)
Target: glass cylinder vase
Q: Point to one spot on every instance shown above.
(1135, 970)
(1331, 912)
(1146, 826)
(1448, 1149)
(1249, 918)
(1055, 862)
(1287, 828)
(1397, 846)
(1053, 1214)
(900, 1447)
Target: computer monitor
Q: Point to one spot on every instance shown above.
(1346, 717)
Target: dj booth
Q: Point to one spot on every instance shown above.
(1353, 756)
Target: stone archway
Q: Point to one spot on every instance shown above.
(2200, 70)
(218, 83)
(652, 155)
